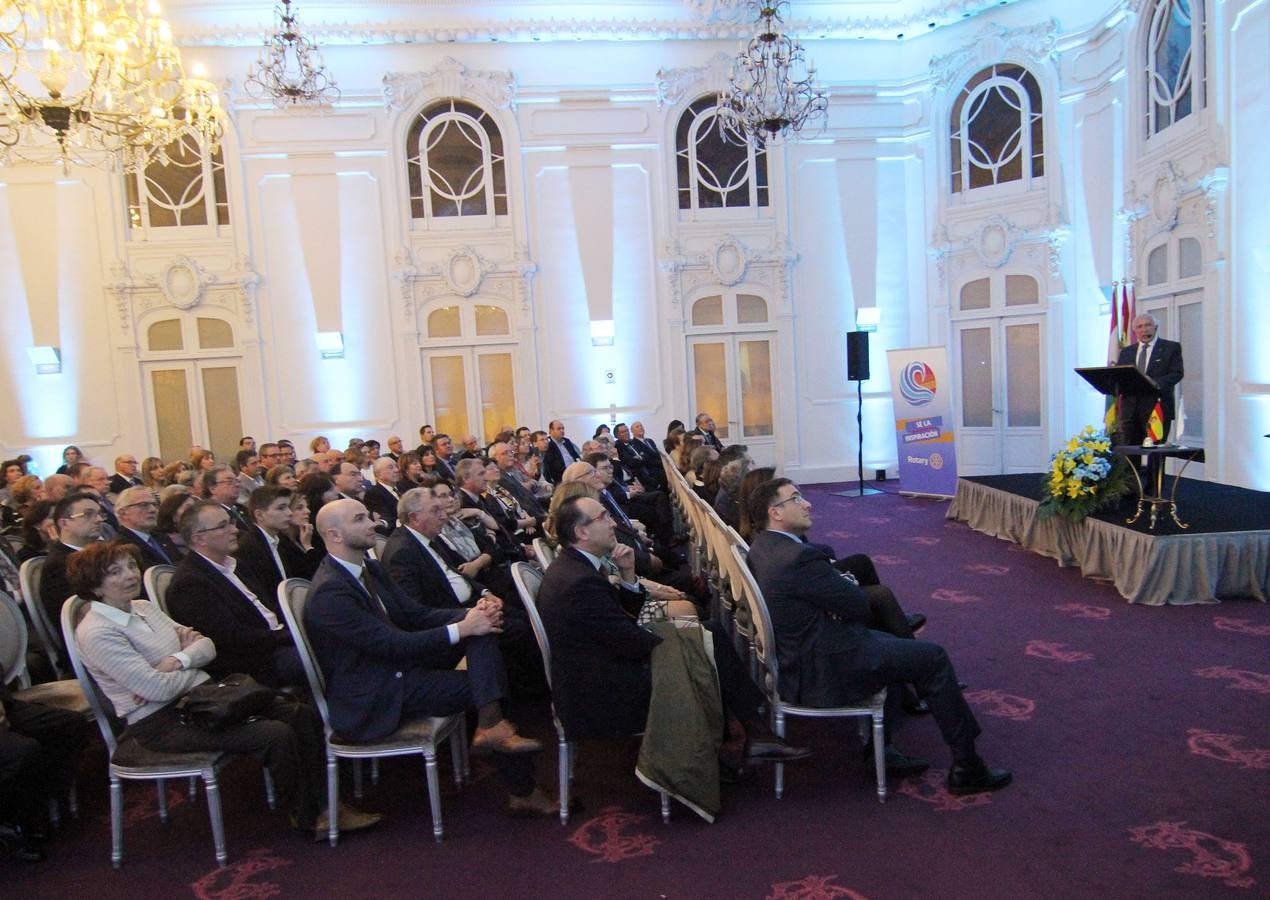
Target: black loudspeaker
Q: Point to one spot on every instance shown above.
(857, 356)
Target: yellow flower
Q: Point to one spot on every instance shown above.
(1072, 445)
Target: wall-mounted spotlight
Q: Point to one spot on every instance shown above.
(867, 318)
(602, 333)
(330, 344)
(47, 360)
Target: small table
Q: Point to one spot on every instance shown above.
(1155, 466)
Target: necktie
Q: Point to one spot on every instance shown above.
(158, 549)
(1142, 358)
(369, 584)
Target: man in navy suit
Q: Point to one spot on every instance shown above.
(1161, 361)
(266, 555)
(387, 660)
(705, 430)
(137, 509)
(560, 453)
(828, 654)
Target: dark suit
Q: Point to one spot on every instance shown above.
(830, 657)
(1164, 367)
(385, 664)
(642, 462)
(528, 502)
(149, 555)
(258, 569)
(120, 483)
(709, 438)
(553, 461)
(380, 500)
(600, 678)
(207, 601)
(55, 588)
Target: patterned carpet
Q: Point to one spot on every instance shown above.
(1139, 740)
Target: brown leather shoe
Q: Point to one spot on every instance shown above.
(536, 804)
(351, 819)
(502, 738)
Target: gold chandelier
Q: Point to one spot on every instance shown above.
(97, 80)
(289, 70)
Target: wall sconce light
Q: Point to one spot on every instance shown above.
(330, 344)
(47, 360)
(602, 333)
(867, 318)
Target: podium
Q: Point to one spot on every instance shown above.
(1119, 381)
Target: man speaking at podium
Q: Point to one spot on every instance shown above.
(1161, 361)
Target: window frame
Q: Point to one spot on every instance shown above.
(423, 123)
(959, 137)
(698, 111)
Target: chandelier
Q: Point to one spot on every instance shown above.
(766, 99)
(289, 69)
(105, 82)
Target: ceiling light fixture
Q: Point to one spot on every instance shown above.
(289, 70)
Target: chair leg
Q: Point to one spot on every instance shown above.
(434, 790)
(665, 808)
(333, 797)
(879, 755)
(357, 778)
(162, 787)
(374, 772)
(193, 788)
(213, 811)
(116, 819)
(55, 812)
(271, 796)
(456, 754)
(72, 798)
(564, 773)
(778, 727)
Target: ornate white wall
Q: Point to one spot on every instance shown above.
(321, 237)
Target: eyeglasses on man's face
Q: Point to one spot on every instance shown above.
(219, 527)
(602, 517)
(795, 497)
(86, 514)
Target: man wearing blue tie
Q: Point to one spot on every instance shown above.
(137, 509)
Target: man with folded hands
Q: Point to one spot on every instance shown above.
(387, 660)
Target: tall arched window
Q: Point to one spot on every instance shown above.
(454, 162)
(998, 133)
(1174, 62)
(716, 172)
(188, 189)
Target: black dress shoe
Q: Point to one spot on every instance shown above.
(901, 765)
(776, 750)
(730, 773)
(916, 622)
(976, 778)
(913, 704)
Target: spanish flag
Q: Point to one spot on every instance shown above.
(1155, 424)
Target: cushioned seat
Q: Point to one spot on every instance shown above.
(67, 695)
(131, 756)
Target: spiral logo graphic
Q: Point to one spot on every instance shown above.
(917, 383)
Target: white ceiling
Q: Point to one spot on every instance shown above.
(239, 22)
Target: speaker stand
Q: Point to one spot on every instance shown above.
(859, 424)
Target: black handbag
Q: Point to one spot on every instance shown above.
(217, 705)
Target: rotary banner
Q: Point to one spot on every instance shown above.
(921, 391)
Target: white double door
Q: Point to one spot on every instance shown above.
(470, 390)
(1000, 367)
(731, 379)
(194, 402)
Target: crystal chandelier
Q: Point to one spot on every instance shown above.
(104, 83)
(766, 99)
(289, 69)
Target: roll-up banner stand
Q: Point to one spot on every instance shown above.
(921, 389)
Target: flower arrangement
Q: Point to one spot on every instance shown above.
(1084, 476)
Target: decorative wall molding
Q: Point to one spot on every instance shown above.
(995, 43)
(463, 271)
(450, 79)
(673, 84)
(728, 261)
(183, 284)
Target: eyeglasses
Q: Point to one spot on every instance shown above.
(141, 504)
(600, 518)
(795, 497)
(221, 527)
(220, 481)
(87, 514)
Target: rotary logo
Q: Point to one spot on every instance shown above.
(917, 383)
(936, 461)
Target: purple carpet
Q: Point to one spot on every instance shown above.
(1139, 740)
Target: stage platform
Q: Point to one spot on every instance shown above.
(1224, 553)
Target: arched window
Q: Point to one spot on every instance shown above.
(454, 162)
(188, 189)
(1174, 62)
(716, 172)
(998, 133)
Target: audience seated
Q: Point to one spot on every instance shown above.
(145, 662)
(829, 656)
(266, 552)
(78, 521)
(243, 621)
(386, 660)
(381, 498)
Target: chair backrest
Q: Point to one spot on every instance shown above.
(293, 596)
(103, 711)
(381, 541)
(545, 552)
(30, 576)
(528, 579)
(157, 579)
(748, 594)
(13, 640)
